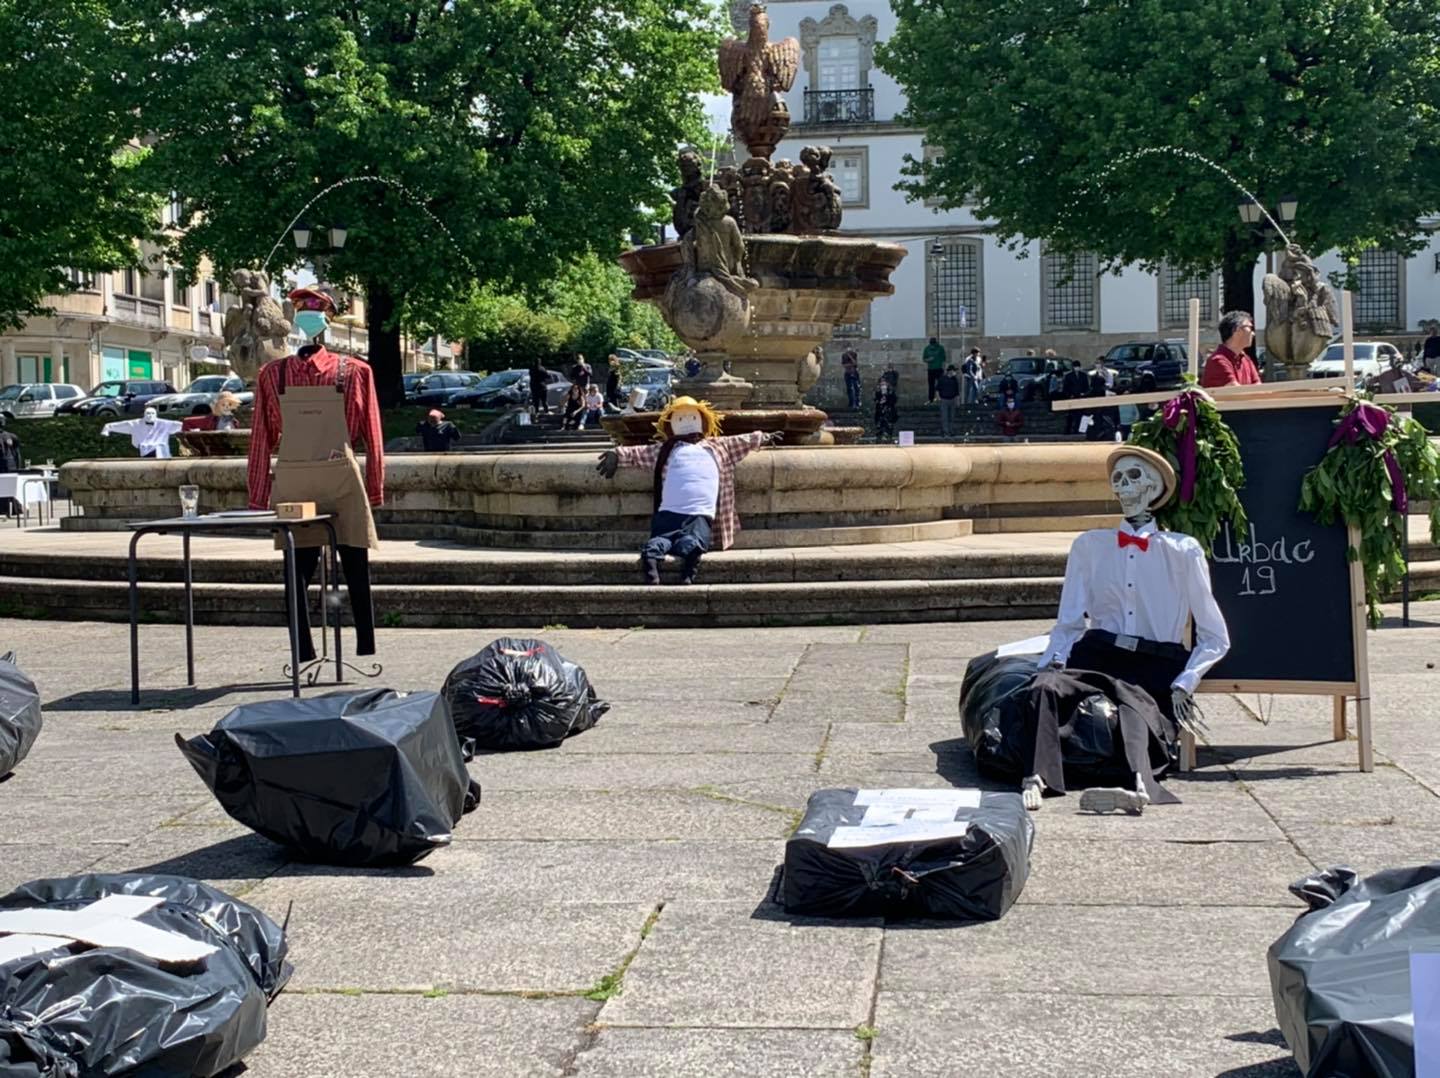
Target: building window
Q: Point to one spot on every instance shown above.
(1069, 289)
(839, 63)
(176, 210)
(1377, 291)
(81, 280)
(152, 284)
(1177, 289)
(212, 295)
(850, 168)
(955, 287)
(127, 282)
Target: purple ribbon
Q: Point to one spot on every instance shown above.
(1370, 421)
(1175, 409)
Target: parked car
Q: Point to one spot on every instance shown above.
(437, 388)
(657, 384)
(202, 391)
(33, 400)
(128, 397)
(510, 389)
(411, 381)
(1032, 373)
(1143, 366)
(645, 357)
(1371, 358)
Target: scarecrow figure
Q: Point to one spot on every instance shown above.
(694, 484)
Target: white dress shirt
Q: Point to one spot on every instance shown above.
(1151, 594)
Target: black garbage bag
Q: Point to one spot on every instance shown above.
(521, 694)
(103, 1011)
(994, 697)
(1340, 975)
(955, 854)
(351, 778)
(20, 718)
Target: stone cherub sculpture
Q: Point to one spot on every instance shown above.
(686, 197)
(707, 300)
(1128, 598)
(757, 72)
(1300, 310)
(256, 329)
(816, 196)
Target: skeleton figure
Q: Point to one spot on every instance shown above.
(1105, 628)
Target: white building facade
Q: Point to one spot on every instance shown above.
(981, 293)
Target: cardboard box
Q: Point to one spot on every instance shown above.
(295, 510)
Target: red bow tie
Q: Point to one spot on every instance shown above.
(1126, 539)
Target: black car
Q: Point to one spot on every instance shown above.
(1143, 366)
(1032, 374)
(128, 397)
(510, 389)
(435, 389)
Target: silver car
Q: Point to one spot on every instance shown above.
(202, 390)
(34, 400)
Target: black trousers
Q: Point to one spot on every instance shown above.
(355, 566)
(931, 378)
(1152, 666)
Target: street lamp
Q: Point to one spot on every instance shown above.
(302, 235)
(937, 260)
(1255, 216)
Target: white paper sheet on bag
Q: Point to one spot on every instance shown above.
(907, 831)
(953, 799)
(905, 816)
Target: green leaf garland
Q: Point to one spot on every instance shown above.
(1219, 474)
(1351, 483)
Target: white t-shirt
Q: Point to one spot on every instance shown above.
(692, 482)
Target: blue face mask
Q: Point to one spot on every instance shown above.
(311, 323)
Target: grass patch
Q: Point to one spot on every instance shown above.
(865, 1033)
(554, 627)
(392, 619)
(824, 746)
(613, 983)
(435, 993)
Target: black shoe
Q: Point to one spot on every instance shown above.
(649, 571)
(690, 572)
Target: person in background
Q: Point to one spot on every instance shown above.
(1430, 351)
(539, 379)
(886, 412)
(970, 378)
(1009, 386)
(1129, 415)
(892, 376)
(594, 406)
(934, 356)
(9, 462)
(850, 364)
(1103, 373)
(949, 390)
(614, 395)
(1010, 419)
(437, 433)
(580, 373)
(1230, 365)
(574, 408)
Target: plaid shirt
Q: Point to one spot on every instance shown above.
(362, 418)
(727, 452)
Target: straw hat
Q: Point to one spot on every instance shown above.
(225, 403)
(1167, 473)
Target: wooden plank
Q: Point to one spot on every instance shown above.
(1192, 341)
(1305, 400)
(1362, 658)
(1347, 328)
(1339, 722)
(1298, 385)
(1407, 398)
(1268, 395)
(1091, 404)
(1187, 751)
(1281, 688)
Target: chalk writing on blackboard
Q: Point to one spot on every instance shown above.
(1259, 556)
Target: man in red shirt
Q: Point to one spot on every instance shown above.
(1229, 365)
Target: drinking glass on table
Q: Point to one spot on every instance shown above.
(189, 501)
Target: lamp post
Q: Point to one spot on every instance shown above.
(1254, 215)
(937, 261)
(331, 241)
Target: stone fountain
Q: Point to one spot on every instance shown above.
(758, 279)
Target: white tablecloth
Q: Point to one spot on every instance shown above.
(32, 488)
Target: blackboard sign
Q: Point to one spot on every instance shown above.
(1284, 586)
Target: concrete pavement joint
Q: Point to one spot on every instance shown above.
(788, 679)
(824, 746)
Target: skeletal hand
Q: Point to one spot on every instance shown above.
(775, 437)
(1186, 713)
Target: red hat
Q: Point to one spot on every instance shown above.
(312, 299)
(436, 413)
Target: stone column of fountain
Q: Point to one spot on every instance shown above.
(758, 280)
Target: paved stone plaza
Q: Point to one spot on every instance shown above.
(608, 909)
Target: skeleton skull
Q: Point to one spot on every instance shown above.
(1137, 483)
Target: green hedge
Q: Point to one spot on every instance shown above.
(66, 438)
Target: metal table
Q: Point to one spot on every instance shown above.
(233, 524)
(17, 485)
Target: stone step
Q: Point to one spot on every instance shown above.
(583, 606)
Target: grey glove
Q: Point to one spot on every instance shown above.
(609, 463)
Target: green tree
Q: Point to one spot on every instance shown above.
(1035, 107)
(72, 197)
(532, 129)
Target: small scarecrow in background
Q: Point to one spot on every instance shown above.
(694, 484)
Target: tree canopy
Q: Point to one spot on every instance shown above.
(1034, 107)
(72, 199)
(535, 130)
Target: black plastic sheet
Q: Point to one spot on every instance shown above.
(1340, 976)
(107, 1011)
(350, 778)
(953, 854)
(20, 717)
(521, 694)
(993, 698)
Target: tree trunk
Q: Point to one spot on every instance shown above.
(385, 358)
(1238, 273)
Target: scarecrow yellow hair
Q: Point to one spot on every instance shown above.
(708, 417)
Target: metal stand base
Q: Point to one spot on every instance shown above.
(312, 671)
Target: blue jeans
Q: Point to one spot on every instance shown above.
(671, 533)
(852, 389)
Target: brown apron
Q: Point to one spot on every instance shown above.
(316, 463)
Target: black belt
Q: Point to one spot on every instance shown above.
(1140, 645)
